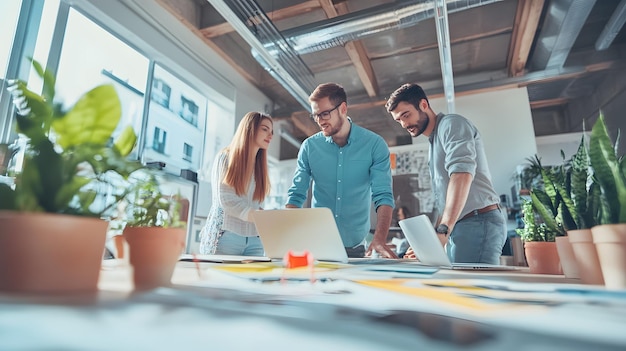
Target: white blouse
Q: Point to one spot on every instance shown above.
(235, 208)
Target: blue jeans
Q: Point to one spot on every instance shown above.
(230, 243)
(478, 239)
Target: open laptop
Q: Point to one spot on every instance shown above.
(300, 229)
(422, 237)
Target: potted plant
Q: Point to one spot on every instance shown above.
(540, 223)
(51, 235)
(579, 206)
(610, 235)
(538, 239)
(153, 230)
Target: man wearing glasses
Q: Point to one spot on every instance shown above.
(350, 169)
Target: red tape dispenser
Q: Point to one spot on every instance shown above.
(294, 260)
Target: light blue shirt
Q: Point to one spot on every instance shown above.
(456, 146)
(345, 179)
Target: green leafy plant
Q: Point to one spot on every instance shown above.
(547, 201)
(541, 216)
(569, 198)
(577, 193)
(147, 206)
(609, 170)
(532, 230)
(530, 175)
(70, 154)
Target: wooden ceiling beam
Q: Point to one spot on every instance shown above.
(210, 43)
(358, 55)
(524, 29)
(434, 45)
(277, 15)
(304, 123)
(415, 49)
(548, 103)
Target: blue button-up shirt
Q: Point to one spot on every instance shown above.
(344, 179)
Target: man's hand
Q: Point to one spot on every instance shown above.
(379, 242)
(381, 247)
(443, 238)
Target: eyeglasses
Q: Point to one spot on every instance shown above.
(324, 115)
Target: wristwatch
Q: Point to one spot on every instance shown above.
(442, 229)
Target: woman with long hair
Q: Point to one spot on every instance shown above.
(240, 183)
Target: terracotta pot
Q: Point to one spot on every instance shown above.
(586, 256)
(50, 253)
(566, 256)
(153, 253)
(610, 241)
(119, 241)
(542, 257)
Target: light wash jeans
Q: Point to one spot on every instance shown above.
(478, 239)
(230, 243)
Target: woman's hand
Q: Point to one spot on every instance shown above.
(410, 254)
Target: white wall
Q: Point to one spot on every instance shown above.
(549, 147)
(505, 122)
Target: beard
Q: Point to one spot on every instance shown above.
(417, 129)
(333, 128)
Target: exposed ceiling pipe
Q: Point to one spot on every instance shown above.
(279, 55)
(286, 66)
(337, 31)
(615, 24)
(445, 55)
(564, 21)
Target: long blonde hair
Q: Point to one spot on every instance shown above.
(239, 172)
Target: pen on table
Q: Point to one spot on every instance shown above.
(197, 263)
(286, 279)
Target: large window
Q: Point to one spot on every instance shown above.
(26, 27)
(44, 41)
(83, 54)
(9, 13)
(179, 112)
(181, 127)
(91, 56)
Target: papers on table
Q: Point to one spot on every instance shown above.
(223, 258)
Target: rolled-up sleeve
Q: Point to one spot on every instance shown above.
(457, 138)
(381, 180)
(297, 193)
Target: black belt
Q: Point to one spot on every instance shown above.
(480, 211)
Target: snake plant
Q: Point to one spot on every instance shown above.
(609, 170)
